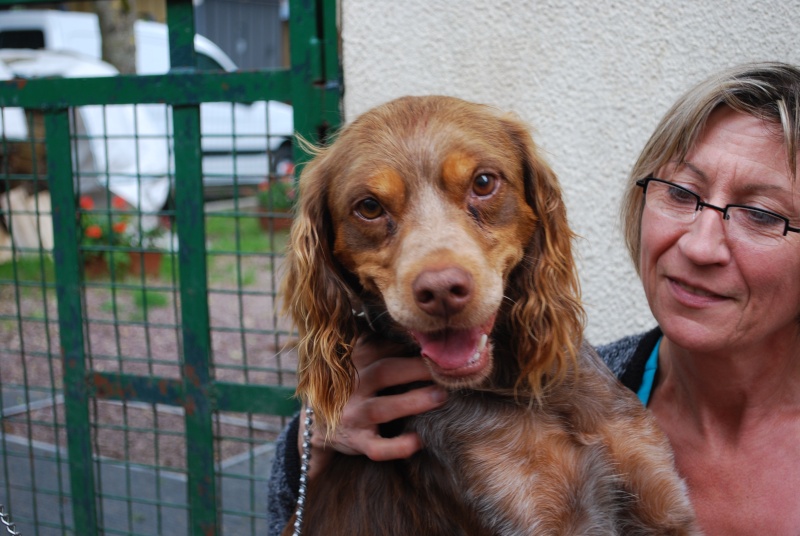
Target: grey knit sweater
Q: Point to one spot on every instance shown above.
(625, 357)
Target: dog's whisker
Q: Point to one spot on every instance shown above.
(373, 320)
(381, 315)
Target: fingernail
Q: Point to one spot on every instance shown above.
(439, 395)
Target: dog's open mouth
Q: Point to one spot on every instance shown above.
(457, 353)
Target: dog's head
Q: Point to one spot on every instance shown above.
(442, 213)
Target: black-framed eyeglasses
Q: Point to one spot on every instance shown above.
(748, 224)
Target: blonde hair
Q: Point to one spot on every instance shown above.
(769, 91)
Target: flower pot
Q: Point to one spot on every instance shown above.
(95, 267)
(147, 262)
(278, 221)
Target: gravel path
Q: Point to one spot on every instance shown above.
(123, 336)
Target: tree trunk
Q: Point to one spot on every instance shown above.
(116, 28)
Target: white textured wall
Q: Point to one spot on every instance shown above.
(592, 78)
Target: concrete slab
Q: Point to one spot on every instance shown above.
(35, 488)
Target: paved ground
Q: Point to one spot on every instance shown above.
(136, 500)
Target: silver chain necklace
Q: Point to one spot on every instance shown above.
(305, 458)
(5, 518)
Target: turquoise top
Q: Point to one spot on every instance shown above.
(650, 369)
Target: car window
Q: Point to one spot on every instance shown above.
(22, 39)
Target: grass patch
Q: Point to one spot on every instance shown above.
(146, 300)
(29, 268)
(107, 306)
(135, 303)
(149, 299)
(242, 234)
(223, 272)
(165, 270)
(224, 234)
(229, 237)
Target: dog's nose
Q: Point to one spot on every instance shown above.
(443, 292)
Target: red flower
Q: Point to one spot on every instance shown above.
(119, 227)
(94, 231)
(118, 203)
(86, 202)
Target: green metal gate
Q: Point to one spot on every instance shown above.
(142, 402)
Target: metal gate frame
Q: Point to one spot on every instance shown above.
(313, 85)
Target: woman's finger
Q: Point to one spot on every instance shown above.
(390, 372)
(381, 449)
(383, 409)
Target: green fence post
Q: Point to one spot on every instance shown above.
(190, 219)
(306, 60)
(70, 321)
(195, 320)
(332, 91)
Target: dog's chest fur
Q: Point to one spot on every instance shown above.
(496, 466)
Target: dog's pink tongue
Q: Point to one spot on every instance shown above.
(451, 348)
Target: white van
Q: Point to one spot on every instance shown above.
(236, 137)
(50, 29)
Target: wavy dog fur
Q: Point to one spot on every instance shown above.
(439, 220)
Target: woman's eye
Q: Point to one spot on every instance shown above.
(484, 184)
(679, 195)
(369, 209)
(756, 218)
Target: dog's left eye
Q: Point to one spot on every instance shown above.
(369, 209)
(484, 184)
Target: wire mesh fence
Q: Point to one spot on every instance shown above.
(131, 320)
(145, 368)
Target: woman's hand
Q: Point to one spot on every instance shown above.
(358, 431)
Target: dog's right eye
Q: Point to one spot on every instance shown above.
(484, 185)
(369, 209)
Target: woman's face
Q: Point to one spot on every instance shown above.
(710, 293)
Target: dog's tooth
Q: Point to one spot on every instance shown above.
(482, 343)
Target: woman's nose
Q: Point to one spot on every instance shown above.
(705, 240)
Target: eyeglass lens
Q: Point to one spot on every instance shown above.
(745, 223)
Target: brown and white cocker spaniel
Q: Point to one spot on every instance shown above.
(435, 221)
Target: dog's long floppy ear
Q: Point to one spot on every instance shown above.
(318, 299)
(547, 318)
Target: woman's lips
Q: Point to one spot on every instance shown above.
(693, 295)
